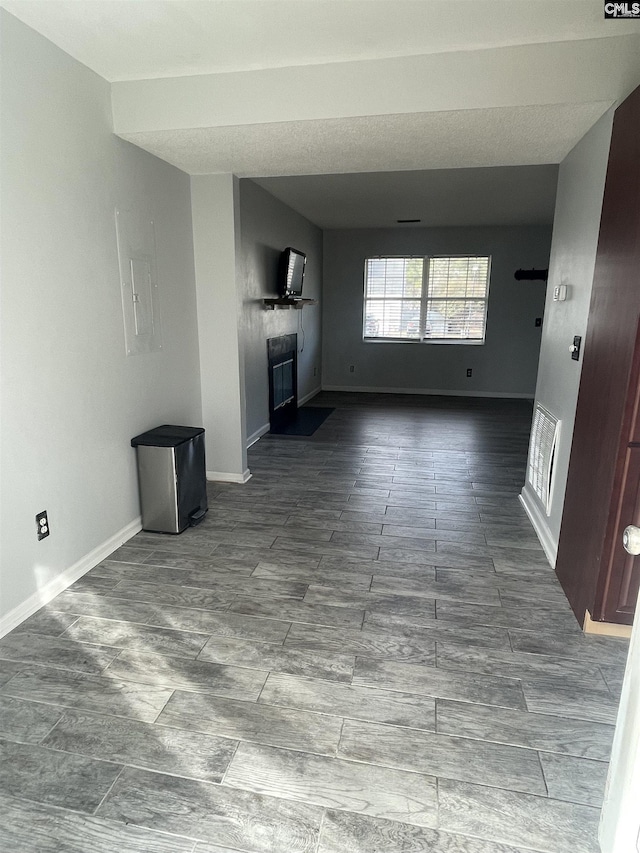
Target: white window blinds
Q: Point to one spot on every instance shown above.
(426, 298)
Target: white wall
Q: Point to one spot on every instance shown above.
(505, 364)
(573, 254)
(267, 227)
(71, 398)
(531, 74)
(620, 822)
(216, 236)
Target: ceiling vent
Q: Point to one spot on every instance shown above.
(542, 451)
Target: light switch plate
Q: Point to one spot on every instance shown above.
(560, 293)
(575, 348)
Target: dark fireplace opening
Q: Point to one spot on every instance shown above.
(282, 355)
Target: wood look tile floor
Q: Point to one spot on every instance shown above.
(361, 650)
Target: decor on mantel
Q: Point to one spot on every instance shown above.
(284, 302)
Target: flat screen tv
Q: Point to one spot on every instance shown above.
(291, 273)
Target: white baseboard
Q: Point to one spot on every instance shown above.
(309, 396)
(538, 520)
(224, 477)
(257, 435)
(58, 584)
(436, 392)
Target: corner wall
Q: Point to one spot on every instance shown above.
(71, 398)
(505, 365)
(573, 255)
(216, 241)
(267, 227)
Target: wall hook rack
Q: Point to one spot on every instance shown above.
(531, 275)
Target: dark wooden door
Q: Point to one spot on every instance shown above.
(619, 581)
(617, 597)
(603, 477)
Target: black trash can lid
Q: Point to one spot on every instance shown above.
(167, 435)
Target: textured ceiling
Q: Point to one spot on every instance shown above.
(508, 195)
(135, 39)
(377, 168)
(440, 140)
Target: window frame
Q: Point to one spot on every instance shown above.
(424, 299)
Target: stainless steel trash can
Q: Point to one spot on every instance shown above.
(172, 477)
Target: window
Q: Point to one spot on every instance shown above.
(430, 299)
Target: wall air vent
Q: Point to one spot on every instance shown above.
(542, 450)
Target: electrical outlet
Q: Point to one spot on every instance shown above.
(42, 525)
(352, 368)
(469, 371)
(538, 321)
(315, 371)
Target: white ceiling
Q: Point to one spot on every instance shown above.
(515, 121)
(135, 39)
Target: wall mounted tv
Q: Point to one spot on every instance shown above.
(291, 273)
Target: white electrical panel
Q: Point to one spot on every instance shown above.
(138, 282)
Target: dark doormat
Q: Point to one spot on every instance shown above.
(306, 422)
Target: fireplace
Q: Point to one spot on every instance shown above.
(282, 354)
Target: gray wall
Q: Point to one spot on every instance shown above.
(507, 362)
(268, 226)
(573, 254)
(71, 398)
